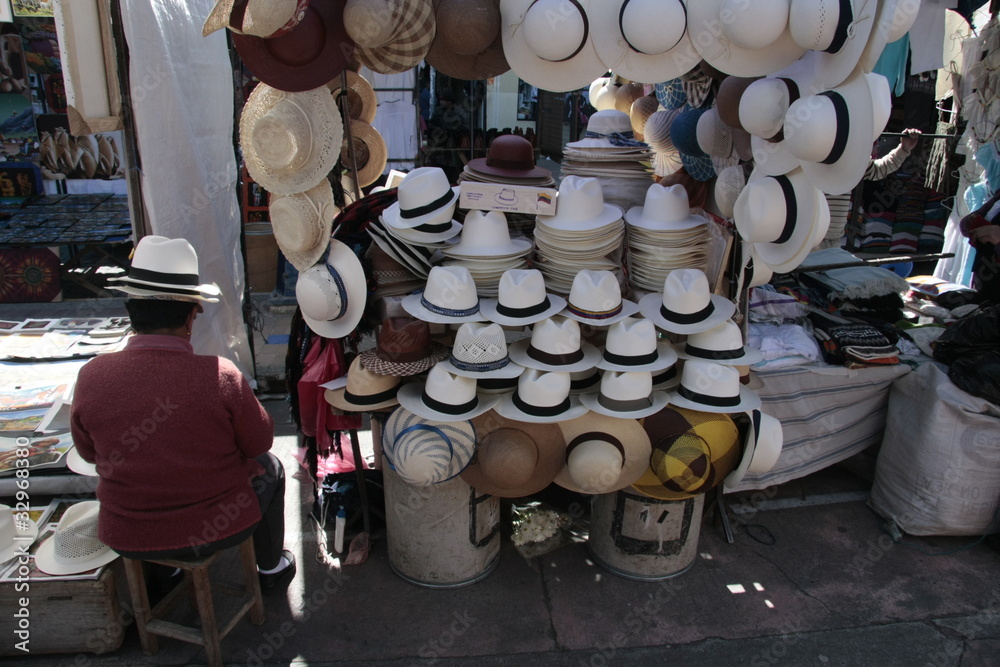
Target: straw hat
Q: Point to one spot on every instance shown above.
(643, 40)
(513, 458)
(480, 351)
(165, 269)
(722, 344)
(361, 98)
(686, 305)
(521, 299)
(756, 271)
(75, 546)
(403, 347)
(540, 397)
(665, 208)
(580, 206)
(261, 18)
(604, 92)
(728, 186)
(603, 454)
(709, 386)
(365, 390)
(626, 95)
(552, 55)
(425, 452)
(14, 534)
(596, 299)
(449, 297)
(667, 159)
(425, 201)
(509, 156)
(632, 345)
(714, 137)
(627, 395)
(485, 234)
(837, 30)
(608, 129)
(370, 152)
(302, 224)
(290, 141)
(743, 38)
(671, 94)
(639, 113)
(305, 57)
(684, 132)
(332, 294)
(392, 36)
(555, 345)
(76, 463)
(444, 397)
(468, 44)
(760, 450)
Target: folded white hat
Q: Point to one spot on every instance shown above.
(425, 202)
(332, 294)
(761, 449)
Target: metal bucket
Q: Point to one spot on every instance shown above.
(443, 535)
(643, 538)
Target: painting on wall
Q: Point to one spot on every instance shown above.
(33, 8)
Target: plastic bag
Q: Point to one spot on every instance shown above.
(973, 336)
(979, 376)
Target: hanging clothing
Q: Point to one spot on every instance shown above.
(927, 36)
(892, 64)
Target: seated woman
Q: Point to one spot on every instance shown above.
(982, 228)
(179, 439)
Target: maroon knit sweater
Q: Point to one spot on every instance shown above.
(173, 435)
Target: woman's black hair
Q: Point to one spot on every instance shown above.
(157, 314)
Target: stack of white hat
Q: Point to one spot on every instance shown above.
(487, 250)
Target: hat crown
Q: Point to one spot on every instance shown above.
(521, 288)
(609, 121)
(556, 335)
(318, 294)
(421, 457)
(422, 186)
(816, 23)
(811, 127)
(510, 151)
(448, 388)
(685, 291)
(710, 379)
(763, 106)
(299, 220)
(754, 25)
(76, 537)
(362, 382)
(725, 337)
(467, 27)
(282, 136)
(402, 340)
(761, 210)
(555, 30)
(595, 291)
(485, 229)
(714, 136)
(543, 389)
(632, 337)
(595, 465)
(166, 256)
(372, 23)
(666, 204)
(479, 343)
(508, 457)
(580, 198)
(451, 288)
(652, 27)
(627, 385)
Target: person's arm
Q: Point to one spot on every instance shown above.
(81, 438)
(883, 166)
(252, 426)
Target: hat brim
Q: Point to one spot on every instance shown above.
(666, 357)
(509, 371)
(658, 401)
(506, 408)
(634, 218)
(470, 251)
(378, 152)
(363, 89)
(768, 445)
(832, 69)
(629, 308)
(410, 397)
(519, 355)
(372, 362)
(749, 400)
(24, 533)
(207, 293)
(879, 35)
(352, 274)
(725, 56)
(321, 197)
(629, 432)
(772, 157)
(634, 65)
(608, 215)
(391, 214)
(338, 399)
(461, 433)
(650, 304)
(480, 166)
(813, 221)
(419, 238)
(45, 560)
(488, 307)
(76, 463)
(412, 304)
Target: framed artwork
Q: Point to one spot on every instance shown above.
(33, 8)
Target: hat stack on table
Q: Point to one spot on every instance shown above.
(487, 250)
(609, 148)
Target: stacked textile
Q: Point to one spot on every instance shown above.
(852, 343)
(935, 219)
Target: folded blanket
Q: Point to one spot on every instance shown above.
(856, 282)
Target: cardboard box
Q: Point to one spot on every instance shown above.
(508, 198)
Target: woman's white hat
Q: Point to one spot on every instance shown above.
(550, 43)
(608, 129)
(290, 141)
(632, 345)
(627, 395)
(712, 387)
(521, 299)
(165, 269)
(666, 208)
(485, 234)
(580, 206)
(75, 546)
(14, 534)
(686, 305)
(425, 202)
(540, 397)
(76, 463)
(643, 40)
(449, 297)
(444, 397)
(722, 344)
(480, 351)
(595, 298)
(425, 452)
(555, 345)
(743, 38)
(837, 30)
(332, 294)
(302, 223)
(761, 450)
(261, 18)
(603, 454)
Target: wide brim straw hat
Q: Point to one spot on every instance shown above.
(370, 152)
(75, 546)
(14, 533)
(761, 449)
(307, 119)
(468, 44)
(364, 390)
(552, 55)
(615, 432)
(361, 98)
(819, 25)
(76, 463)
(415, 27)
(302, 224)
(165, 268)
(325, 294)
(707, 31)
(646, 41)
(261, 18)
(425, 452)
(307, 56)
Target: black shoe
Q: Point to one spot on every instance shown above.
(273, 580)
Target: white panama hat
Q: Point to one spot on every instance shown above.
(541, 397)
(485, 234)
(595, 298)
(425, 202)
(743, 38)
(480, 351)
(686, 305)
(645, 41)
(444, 397)
(448, 297)
(722, 344)
(521, 299)
(761, 449)
(837, 30)
(75, 546)
(708, 386)
(165, 268)
(332, 294)
(627, 395)
(632, 345)
(609, 128)
(580, 206)
(665, 208)
(555, 345)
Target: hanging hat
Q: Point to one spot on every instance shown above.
(290, 141)
(556, 55)
(837, 30)
(468, 44)
(643, 40)
(881, 102)
(712, 387)
(392, 36)
(686, 305)
(302, 224)
(480, 351)
(444, 397)
(580, 206)
(604, 92)
(764, 103)
(884, 17)
(761, 449)
(14, 534)
(596, 299)
(667, 159)
(260, 18)
(756, 271)
(671, 94)
(665, 208)
(332, 294)
(449, 297)
(76, 463)
(305, 57)
(514, 459)
(639, 113)
(722, 344)
(361, 98)
(521, 299)
(403, 347)
(370, 152)
(905, 15)
(509, 156)
(626, 395)
(365, 390)
(425, 202)
(728, 99)
(692, 452)
(627, 94)
(555, 345)
(608, 129)
(632, 345)
(684, 132)
(714, 137)
(75, 546)
(485, 235)
(424, 452)
(165, 268)
(743, 38)
(728, 186)
(540, 397)
(603, 454)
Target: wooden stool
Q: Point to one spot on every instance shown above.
(150, 621)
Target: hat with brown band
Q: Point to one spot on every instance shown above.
(403, 347)
(603, 454)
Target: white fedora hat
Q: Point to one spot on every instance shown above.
(595, 298)
(260, 18)
(632, 345)
(521, 299)
(627, 395)
(413, 236)
(550, 43)
(761, 449)
(165, 268)
(480, 351)
(444, 397)
(666, 208)
(555, 345)
(765, 102)
(76, 463)
(425, 202)
(609, 128)
(15, 534)
(290, 141)
(332, 294)
(302, 223)
(540, 397)
(686, 305)
(643, 40)
(580, 206)
(365, 391)
(604, 92)
(449, 297)
(712, 387)
(425, 452)
(743, 38)
(485, 234)
(772, 156)
(603, 454)
(722, 344)
(75, 546)
(837, 30)
(884, 17)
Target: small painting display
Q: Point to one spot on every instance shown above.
(33, 8)
(29, 275)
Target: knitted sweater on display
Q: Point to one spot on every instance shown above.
(174, 435)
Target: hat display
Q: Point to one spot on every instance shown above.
(521, 299)
(467, 44)
(444, 397)
(743, 38)
(302, 223)
(728, 99)
(449, 297)
(425, 452)
(365, 390)
(513, 458)
(165, 268)
(692, 452)
(370, 152)
(425, 202)
(75, 546)
(261, 18)
(722, 344)
(540, 397)
(509, 156)
(632, 345)
(596, 299)
(361, 98)
(392, 36)
(760, 451)
(480, 351)
(836, 30)
(603, 454)
(403, 347)
(709, 386)
(686, 305)
(608, 129)
(332, 294)
(643, 40)
(627, 395)
(580, 206)
(305, 57)
(667, 159)
(665, 208)
(555, 345)
(290, 141)
(552, 55)
(76, 463)
(12, 532)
